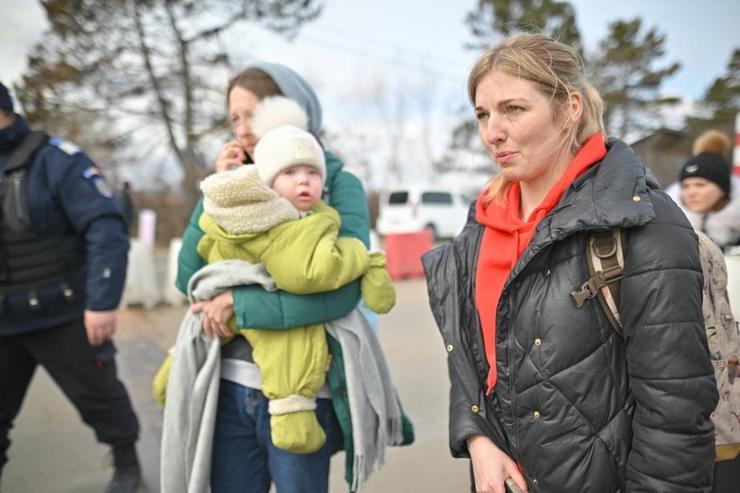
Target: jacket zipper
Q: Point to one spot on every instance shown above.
(510, 375)
(508, 357)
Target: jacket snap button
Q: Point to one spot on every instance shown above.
(449, 348)
(547, 273)
(475, 409)
(534, 481)
(536, 415)
(636, 198)
(538, 342)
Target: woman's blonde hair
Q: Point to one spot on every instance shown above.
(557, 70)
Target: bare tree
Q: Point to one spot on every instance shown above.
(146, 67)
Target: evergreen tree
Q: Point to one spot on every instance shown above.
(721, 101)
(492, 19)
(624, 71)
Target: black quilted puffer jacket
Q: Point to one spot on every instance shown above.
(579, 408)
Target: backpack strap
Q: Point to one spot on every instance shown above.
(605, 256)
(22, 154)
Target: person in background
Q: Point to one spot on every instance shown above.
(544, 393)
(704, 193)
(62, 269)
(242, 423)
(705, 190)
(123, 199)
(723, 339)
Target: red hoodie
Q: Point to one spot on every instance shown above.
(506, 238)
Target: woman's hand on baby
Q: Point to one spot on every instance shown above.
(232, 155)
(216, 314)
(491, 467)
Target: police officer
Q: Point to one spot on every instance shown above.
(63, 253)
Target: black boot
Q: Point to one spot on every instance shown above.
(127, 473)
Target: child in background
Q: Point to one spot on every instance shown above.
(272, 213)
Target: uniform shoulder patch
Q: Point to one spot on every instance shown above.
(65, 146)
(93, 174)
(91, 171)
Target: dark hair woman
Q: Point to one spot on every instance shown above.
(244, 457)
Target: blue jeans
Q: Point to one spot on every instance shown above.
(246, 461)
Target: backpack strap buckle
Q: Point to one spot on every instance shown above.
(589, 289)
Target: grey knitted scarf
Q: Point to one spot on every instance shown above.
(373, 405)
(192, 389)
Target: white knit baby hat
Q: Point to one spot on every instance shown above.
(280, 125)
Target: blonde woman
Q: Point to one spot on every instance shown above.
(545, 394)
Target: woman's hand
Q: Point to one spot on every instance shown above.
(216, 314)
(232, 155)
(491, 467)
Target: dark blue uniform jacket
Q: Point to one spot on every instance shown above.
(68, 198)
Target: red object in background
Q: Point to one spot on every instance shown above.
(403, 253)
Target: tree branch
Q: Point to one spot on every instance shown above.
(162, 102)
(184, 72)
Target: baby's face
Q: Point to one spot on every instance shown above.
(301, 185)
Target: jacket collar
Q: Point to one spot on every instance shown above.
(12, 135)
(613, 193)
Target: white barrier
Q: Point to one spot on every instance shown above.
(147, 226)
(171, 294)
(141, 276)
(733, 283)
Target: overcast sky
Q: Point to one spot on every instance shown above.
(383, 33)
(417, 45)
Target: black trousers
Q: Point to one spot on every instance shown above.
(727, 476)
(85, 373)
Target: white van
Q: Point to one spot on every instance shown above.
(408, 210)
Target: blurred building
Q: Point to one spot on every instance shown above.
(664, 152)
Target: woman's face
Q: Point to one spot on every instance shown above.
(241, 107)
(700, 195)
(517, 126)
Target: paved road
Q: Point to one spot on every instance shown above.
(53, 452)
